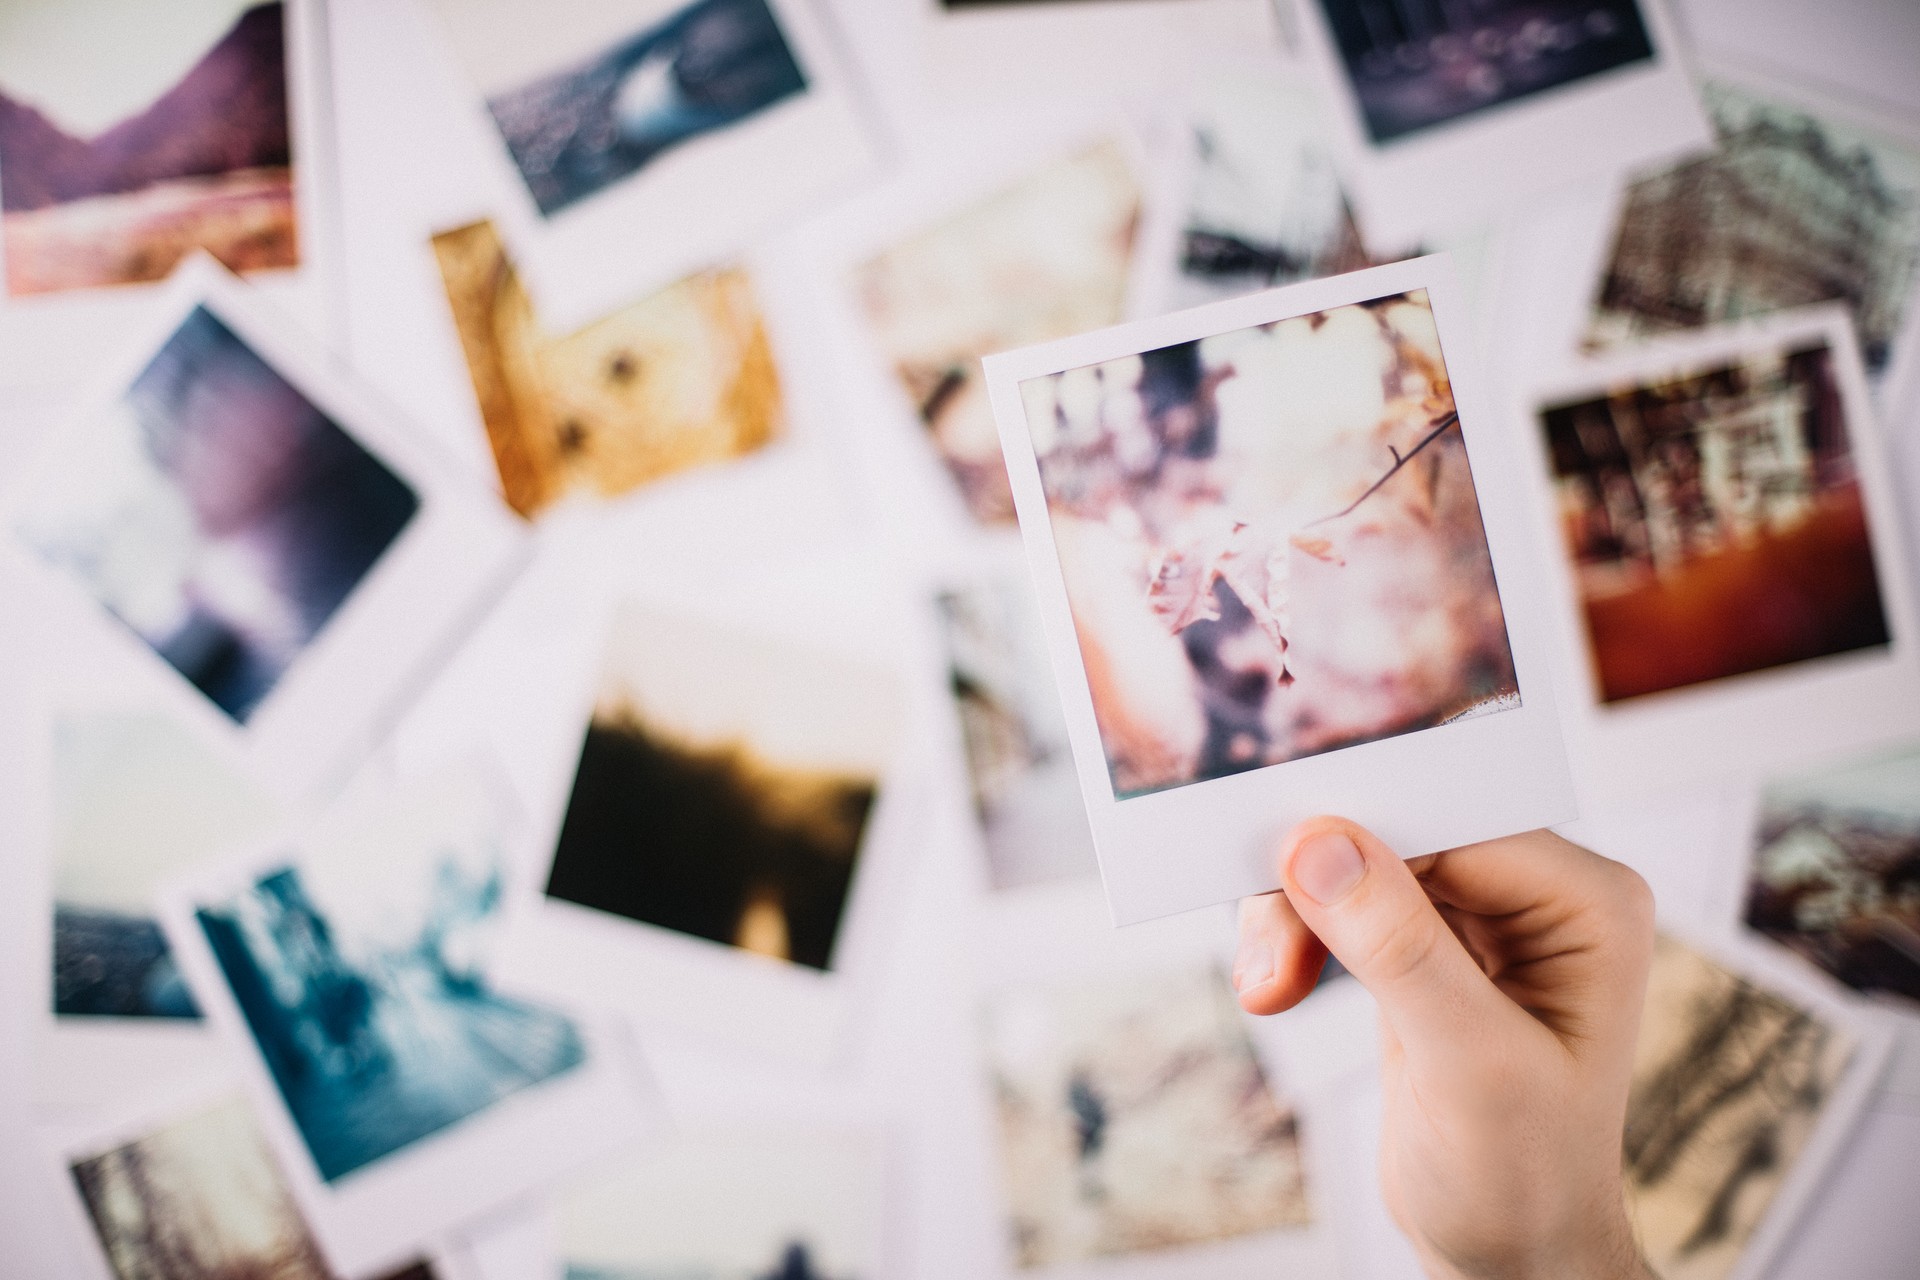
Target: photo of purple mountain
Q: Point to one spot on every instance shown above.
(208, 164)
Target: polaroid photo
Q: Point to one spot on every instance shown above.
(349, 963)
(1747, 1080)
(1434, 104)
(706, 122)
(741, 788)
(246, 515)
(1730, 559)
(131, 137)
(682, 378)
(1274, 586)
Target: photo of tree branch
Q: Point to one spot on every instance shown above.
(1271, 543)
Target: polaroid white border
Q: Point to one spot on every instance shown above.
(1731, 725)
(585, 260)
(378, 1214)
(1420, 792)
(1482, 162)
(59, 339)
(447, 564)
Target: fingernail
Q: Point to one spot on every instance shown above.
(1253, 967)
(1327, 867)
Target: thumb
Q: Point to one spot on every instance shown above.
(1362, 901)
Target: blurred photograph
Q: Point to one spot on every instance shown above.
(136, 799)
(359, 965)
(1041, 259)
(1018, 759)
(1790, 209)
(1729, 1081)
(1271, 543)
(587, 93)
(198, 1198)
(1133, 1115)
(1415, 66)
(217, 512)
(1836, 871)
(681, 378)
(722, 1204)
(725, 786)
(1714, 520)
(131, 135)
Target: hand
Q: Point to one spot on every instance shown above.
(1510, 977)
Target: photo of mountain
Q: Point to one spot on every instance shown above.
(207, 164)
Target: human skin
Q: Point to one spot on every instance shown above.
(1509, 977)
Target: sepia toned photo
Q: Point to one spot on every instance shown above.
(732, 1204)
(1133, 1115)
(131, 135)
(1415, 66)
(1271, 543)
(1836, 871)
(216, 512)
(1043, 258)
(725, 786)
(359, 967)
(1018, 758)
(1714, 521)
(135, 799)
(588, 93)
(681, 378)
(1729, 1081)
(1790, 209)
(198, 1198)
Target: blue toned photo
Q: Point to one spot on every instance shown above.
(360, 968)
(218, 513)
(582, 127)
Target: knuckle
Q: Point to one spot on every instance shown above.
(1401, 948)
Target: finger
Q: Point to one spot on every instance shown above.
(1526, 872)
(1365, 905)
(1279, 959)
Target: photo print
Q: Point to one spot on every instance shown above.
(130, 136)
(136, 799)
(1715, 521)
(1040, 259)
(1731, 1080)
(1415, 66)
(218, 513)
(721, 1204)
(1018, 759)
(725, 786)
(1792, 207)
(1134, 1115)
(1271, 543)
(1836, 871)
(681, 378)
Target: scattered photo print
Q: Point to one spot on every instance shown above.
(1266, 207)
(725, 786)
(1715, 523)
(132, 134)
(198, 1198)
(218, 513)
(716, 1205)
(1415, 66)
(586, 92)
(1792, 209)
(1021, 766)
(1836, 871)
(1271, 543)
(1729, 1081)
(1133, 1115)
(360, 966)
(136, 800)
(681, 378)
(1043, 259)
